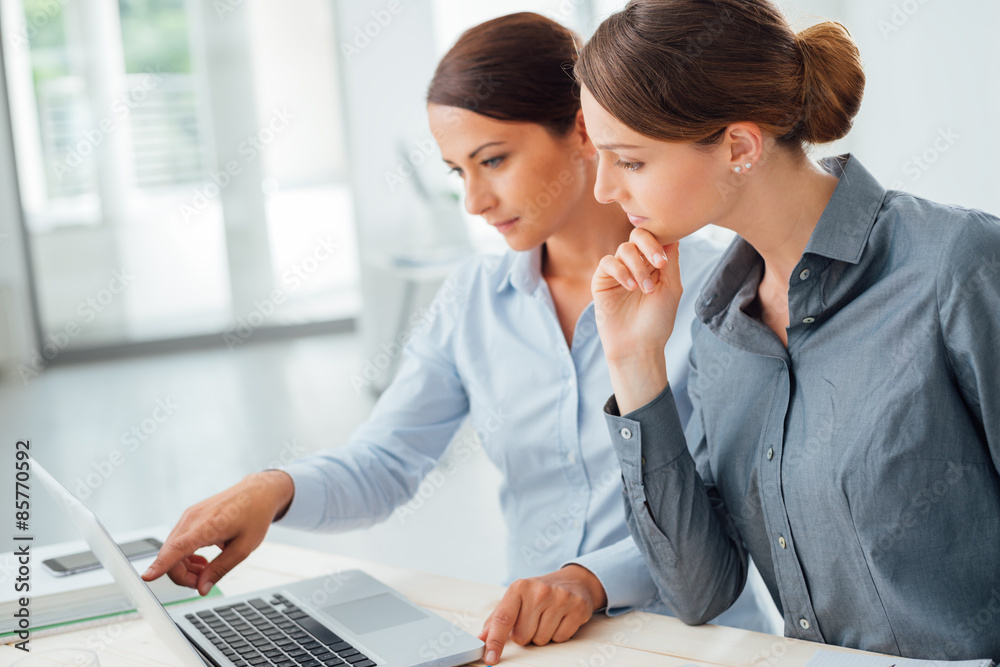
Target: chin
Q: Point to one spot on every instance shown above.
(665, 235)
(523, 245)
(523, 240)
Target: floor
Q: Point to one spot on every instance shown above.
(140, 439)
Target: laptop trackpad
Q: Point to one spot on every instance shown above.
(375, 613)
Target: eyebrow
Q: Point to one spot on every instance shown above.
(614, 147)
(492, 143)
(473, 153)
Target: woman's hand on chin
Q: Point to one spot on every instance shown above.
(636, 295)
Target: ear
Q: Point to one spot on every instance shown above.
(581, 138)
(745, 145)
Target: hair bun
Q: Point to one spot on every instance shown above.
(833, 82)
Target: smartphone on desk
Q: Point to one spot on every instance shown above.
(86, 560)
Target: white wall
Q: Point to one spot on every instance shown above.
(932, 94)
(927, 124)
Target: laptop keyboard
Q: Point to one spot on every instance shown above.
(275, 632)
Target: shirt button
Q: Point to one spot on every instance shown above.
(809, 320)
(770, 453)
(626, 433)
(571, 457)
(804, 275)
(804, 623)
(781, 541)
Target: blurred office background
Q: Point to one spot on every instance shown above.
(216, 218)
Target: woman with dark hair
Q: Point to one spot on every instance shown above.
(513, 347)
(844, 373)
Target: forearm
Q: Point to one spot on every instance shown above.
(638, 379)
(696, 561)
(279, 485)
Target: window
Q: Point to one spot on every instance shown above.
(182, 168)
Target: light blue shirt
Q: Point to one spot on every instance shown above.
(491, 350)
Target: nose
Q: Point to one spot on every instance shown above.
(607, 188)
(479, 197)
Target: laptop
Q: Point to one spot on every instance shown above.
(341, 619)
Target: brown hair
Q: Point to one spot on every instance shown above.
(683, 70)
(517, 67)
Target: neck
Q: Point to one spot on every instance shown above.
(592, 230)
(778, 211)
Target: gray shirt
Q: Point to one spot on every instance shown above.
(859, 465)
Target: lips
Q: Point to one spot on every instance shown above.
(636, 220)
(504, 226)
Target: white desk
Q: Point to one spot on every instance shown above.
(636, 639)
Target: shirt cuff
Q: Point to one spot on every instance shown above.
(308, 506)
(659, 420)
(623, 573)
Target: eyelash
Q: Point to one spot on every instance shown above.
(628, 166)
(486, 163)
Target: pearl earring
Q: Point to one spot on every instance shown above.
(737, 169)
(749, 164)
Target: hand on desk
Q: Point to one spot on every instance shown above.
(235, 520)
(551, 607)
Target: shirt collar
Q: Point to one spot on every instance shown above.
(525, 271)
(840, 234)
(843, 229)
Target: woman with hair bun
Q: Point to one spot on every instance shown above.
(512, 347)
(844, 374)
